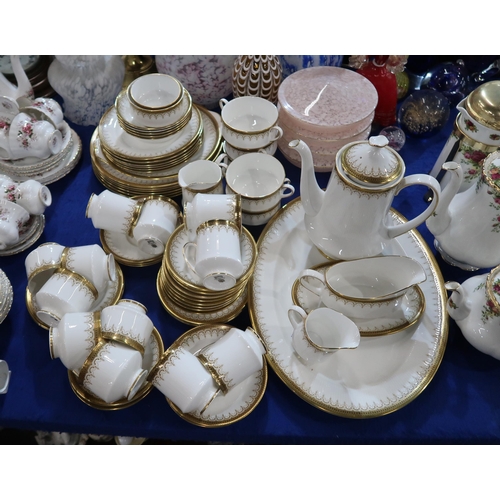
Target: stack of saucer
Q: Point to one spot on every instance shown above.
(6, 296)
(151, 132)
(182, 293)
(327, 108)
(51, 169)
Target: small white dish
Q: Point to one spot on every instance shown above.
(239, 401)
(114, 138)
(125, 249)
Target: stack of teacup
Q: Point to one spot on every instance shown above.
(260, 181)
(35, 141)
(106, 352)
(134, 230)
(208, 261)
(22, 205)
(192, 380)
(149, 134)
(249, 124)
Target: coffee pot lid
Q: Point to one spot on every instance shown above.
(372, 163)
(483, 104)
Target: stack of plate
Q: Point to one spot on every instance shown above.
(53, 168)
(6, 296)
(327, 108)
(139, 147)
(182, 293)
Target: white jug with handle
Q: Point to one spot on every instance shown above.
(349, 220)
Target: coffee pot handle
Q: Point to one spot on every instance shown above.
(411, 180)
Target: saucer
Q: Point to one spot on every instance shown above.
(29, 235)
(113, 293)
(239, 401)
(198, 318)
(125, 250)
(151, 356)
(412, 308)
(177, 264)
(122, 144)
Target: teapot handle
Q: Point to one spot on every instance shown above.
(411, 180)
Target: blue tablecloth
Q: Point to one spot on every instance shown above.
(460, 405)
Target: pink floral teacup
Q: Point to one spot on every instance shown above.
(43, 108)
(29, 137)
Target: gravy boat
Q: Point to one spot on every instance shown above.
(365, 288)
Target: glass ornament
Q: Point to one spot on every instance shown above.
(423, 113)
(395, 136)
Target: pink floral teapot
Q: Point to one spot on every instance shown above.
(475, 307)
(466, 225)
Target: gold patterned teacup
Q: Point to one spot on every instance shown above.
(64, 292)
(215, 256)
(233, 357)
(74, 337)
(127, 322)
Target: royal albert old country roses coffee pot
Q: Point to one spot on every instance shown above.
(348, 220)
(466, 225)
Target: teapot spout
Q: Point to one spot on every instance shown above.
(441, 218)
(458, 305)
(311, 194)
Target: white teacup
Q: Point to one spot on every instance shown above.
(113, 371)
(4, 376)
(13, 217)
(205, 207)
(321, 333)
(260, 180)
(112, 212)
(30, 194)
(364, 289)
(249, 122)
(202, 176)
(47, 255)
(64, 292)
(233, 358)
(216, 255)
(29, 137)
(183, 380)
(42, 108)
(157, 220)
(127, 322)
(91, 262)
(74, 337)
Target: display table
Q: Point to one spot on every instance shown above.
(461, 404)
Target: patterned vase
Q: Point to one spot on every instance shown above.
(206, 78)
(257, 76)
(87, 84)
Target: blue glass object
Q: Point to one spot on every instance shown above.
(423, 113)
(291, 64)
(451, 79)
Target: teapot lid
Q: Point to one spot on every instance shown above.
(372, 163)
(483, 104)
